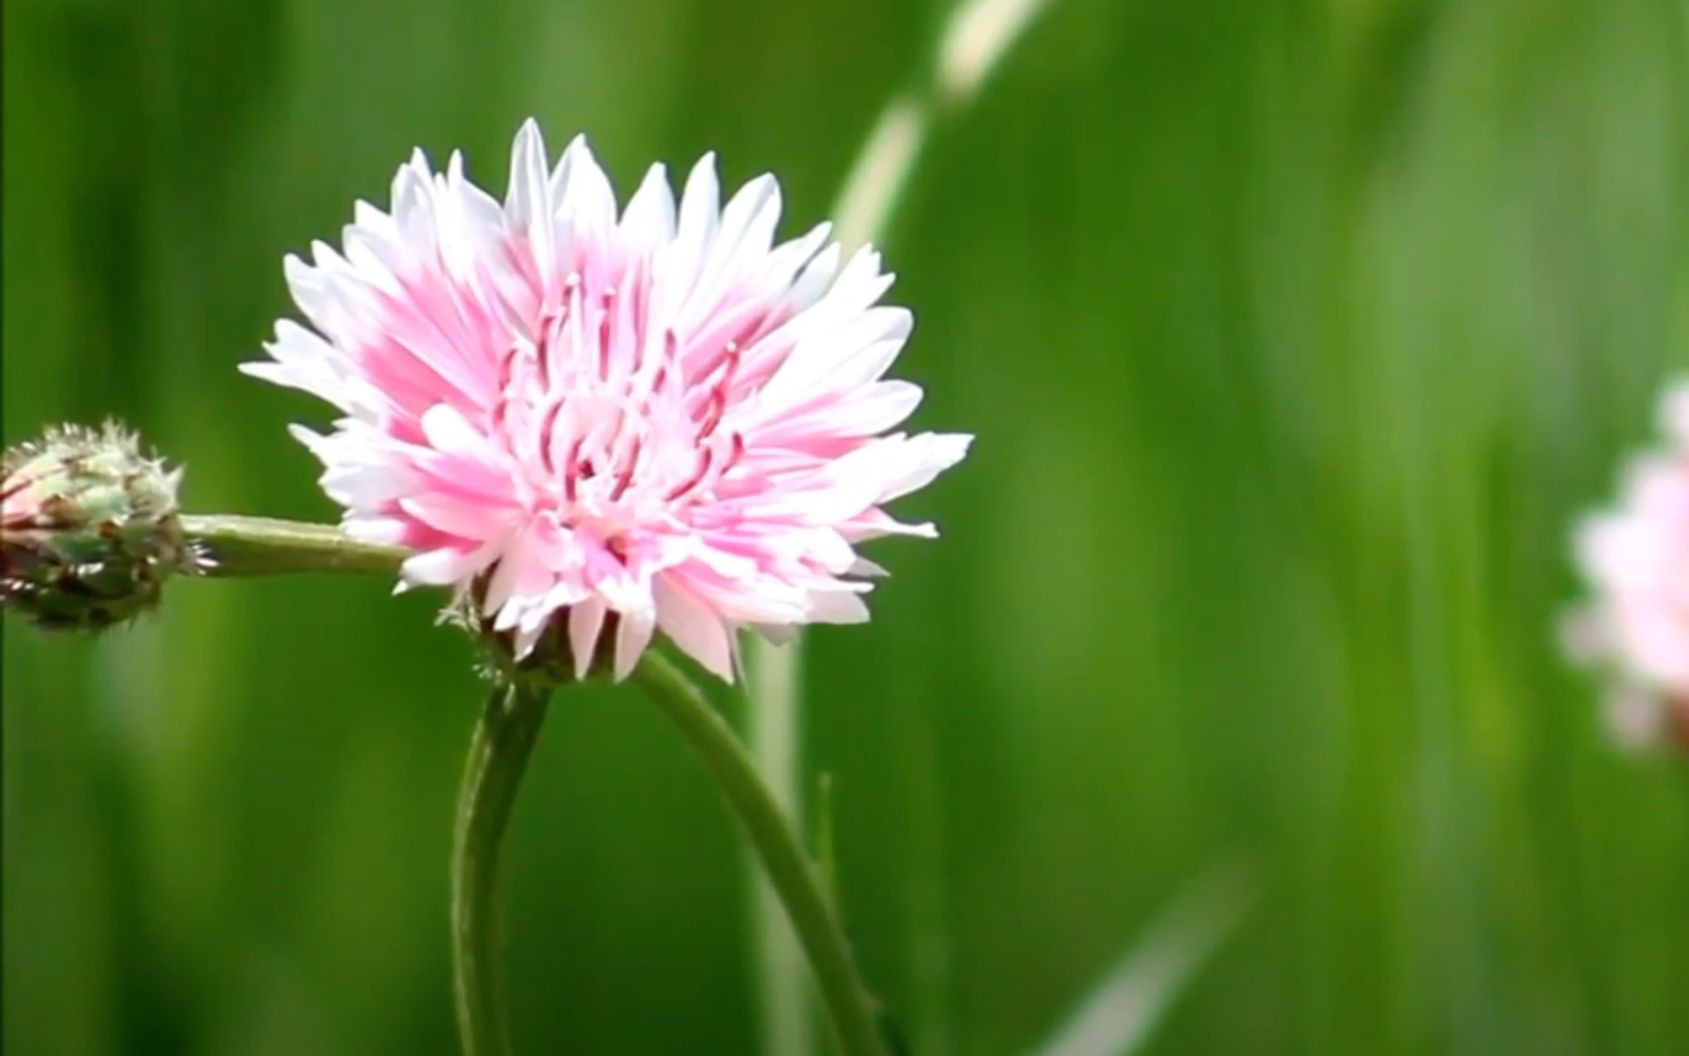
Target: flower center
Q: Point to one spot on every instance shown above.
(612, 424)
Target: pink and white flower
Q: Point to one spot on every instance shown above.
(648, 418)
(1637, 559)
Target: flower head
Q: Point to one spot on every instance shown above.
(604, 422)
(89, 529)
(1637, 559)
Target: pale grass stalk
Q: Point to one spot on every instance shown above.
(979, 34)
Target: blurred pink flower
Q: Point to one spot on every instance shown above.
(1637, 559)
(657, 419)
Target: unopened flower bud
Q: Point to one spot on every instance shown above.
(89, 529)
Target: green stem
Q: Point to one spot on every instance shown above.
(771, 834)
(225, 545)
(498, 755)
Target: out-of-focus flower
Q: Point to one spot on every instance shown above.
(1636, 557)
(597, 422)
(89, 529)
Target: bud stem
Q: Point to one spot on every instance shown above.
(225, 545)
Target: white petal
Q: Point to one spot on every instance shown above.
(362, 486)
(816, 278)
(527, 203)
(316, 382)
(314, 441)
(747, 227)
(633, 634)
(838, 607)
(527, 636)
(743, 239)
(677, 269)
(443, 567)
(865, 567)
(586, 620)
(694, 627)
(648, 221)
(858, 286)
(926, 455)
(787, 260)
(841, 360)
(875, 523)
(308, 288)
(478, 211)
(303, 360)
(449, 432)
(385, 531)
(581, 192)
(413, 205)
(871, 410)
(517, 575)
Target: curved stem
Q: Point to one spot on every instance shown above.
(979, 34)
(498, 755)
(226, 545)
(793, 877)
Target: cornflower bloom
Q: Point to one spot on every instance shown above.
(597, 423)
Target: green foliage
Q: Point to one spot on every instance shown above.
(1294, 333)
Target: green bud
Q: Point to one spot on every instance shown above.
(89, 529)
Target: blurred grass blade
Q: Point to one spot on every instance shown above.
(978, 35)
(783, 990)
(880, 174)
(1123, 1010)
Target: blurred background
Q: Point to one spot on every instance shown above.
(1295, 333)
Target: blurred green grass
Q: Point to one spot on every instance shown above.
(1294, 334)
